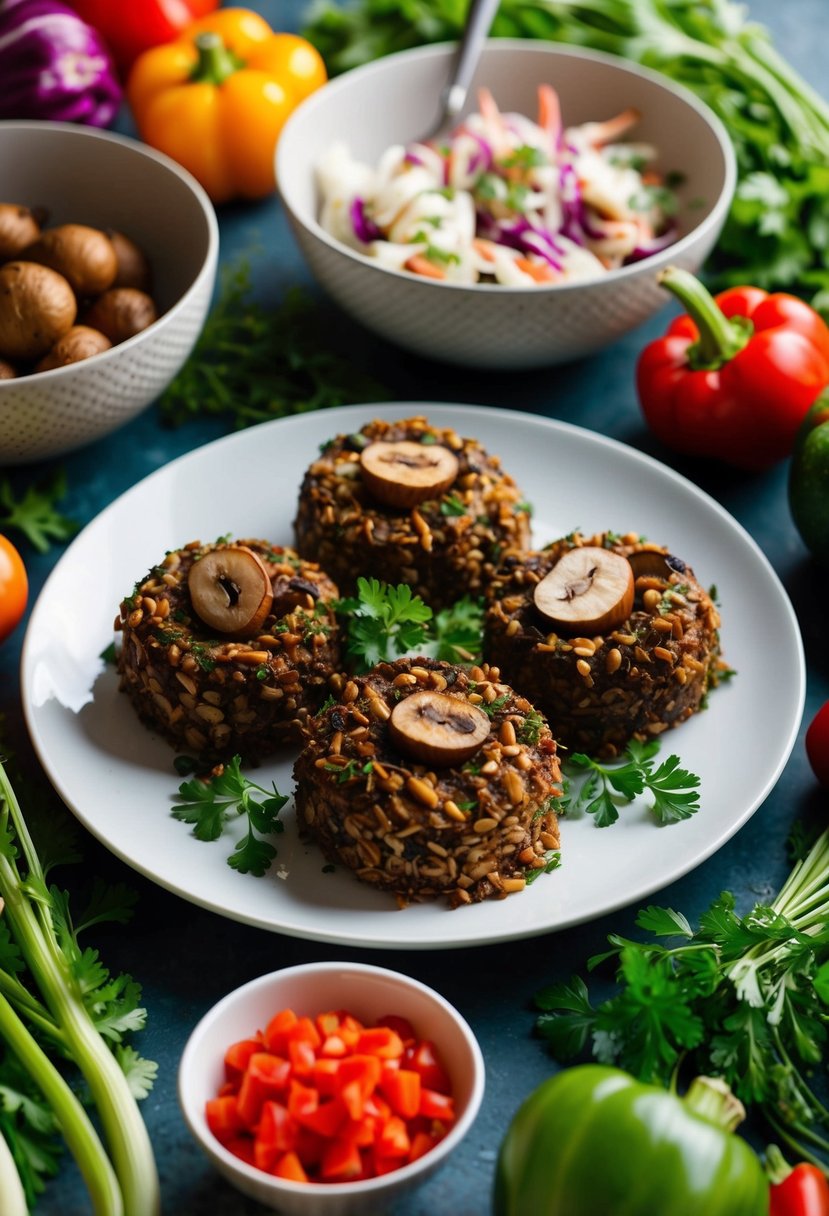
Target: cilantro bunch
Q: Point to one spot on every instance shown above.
(745, 998)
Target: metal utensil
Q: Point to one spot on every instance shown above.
(478, 21)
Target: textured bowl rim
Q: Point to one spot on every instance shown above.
(209, 262)
(317, 1190)
(712, 220)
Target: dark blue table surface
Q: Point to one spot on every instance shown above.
(187, 958)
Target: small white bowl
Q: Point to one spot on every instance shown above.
(86, 176)
(369, 993)
(394, 100)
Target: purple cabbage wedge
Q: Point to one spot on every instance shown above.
(54, 66)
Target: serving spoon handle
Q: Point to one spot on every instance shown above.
(478, 21)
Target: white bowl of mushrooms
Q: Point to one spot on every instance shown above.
(108, 254)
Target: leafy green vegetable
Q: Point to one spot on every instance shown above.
(212, 803)
(252, 363)
(673, 789)
(741, 997)
(384, 622)
(777, 233)
(57, 996)
(35, 514)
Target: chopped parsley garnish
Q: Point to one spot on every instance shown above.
(673, 790)
(209, 805)
(452, 505)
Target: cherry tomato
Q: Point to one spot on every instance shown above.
(14, 588)
(817, 744)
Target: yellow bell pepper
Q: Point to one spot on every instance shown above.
(216, 99)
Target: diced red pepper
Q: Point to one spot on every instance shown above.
(327, 1119)
(423, 1058)
(302, 1056)
(437, 1106)
(223, 1118)
(276, 1031)
(241, 1147)
(302, 1100)
(289, 1166)
(402, 1025)
(422, 1142)
(341, 1161)
(393, 1138)
(327, 1023)
(402, 1087)
(328, 1099)
(381, 1041)
(266, 1077)
(238, 1055)
(277, 1127)
(304, 1031)
(325, 1076)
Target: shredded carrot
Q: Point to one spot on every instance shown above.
(612, 128)
(549, 110)
(419, 264)
(539, 271)
(485, 248)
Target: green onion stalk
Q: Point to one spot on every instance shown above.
(775, 975)
(125, 1181)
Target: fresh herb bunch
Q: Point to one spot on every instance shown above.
(252, 363)
(59, 1006)
(211, 803)
(777, 233)
(673, 790)
(384, 622)
(35, 512)
(745, 998)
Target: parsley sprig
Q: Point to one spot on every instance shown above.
(674, 791)
(210, 805)
(35, 513)
(384, 622)
(741, 997)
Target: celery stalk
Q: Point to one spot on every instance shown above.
(75, 1125)
(29, 914)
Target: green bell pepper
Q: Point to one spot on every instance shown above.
(809, 480)
(593, 1141)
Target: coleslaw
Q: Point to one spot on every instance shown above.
(504, 199)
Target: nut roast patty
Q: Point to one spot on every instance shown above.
(219, 695)
(466, 831)
(647, 673)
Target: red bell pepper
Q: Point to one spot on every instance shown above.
(734, 377)
(129, 29)
(799, 1191)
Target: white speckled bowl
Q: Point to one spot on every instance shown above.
(368, 993)
(109, 181)
(395, 99)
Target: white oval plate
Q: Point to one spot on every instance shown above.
(118, 778)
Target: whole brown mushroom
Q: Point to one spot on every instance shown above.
(133, 264)
(84, 256)
(121, 313)
(37, 306)
(18, 228)
(78, 343)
